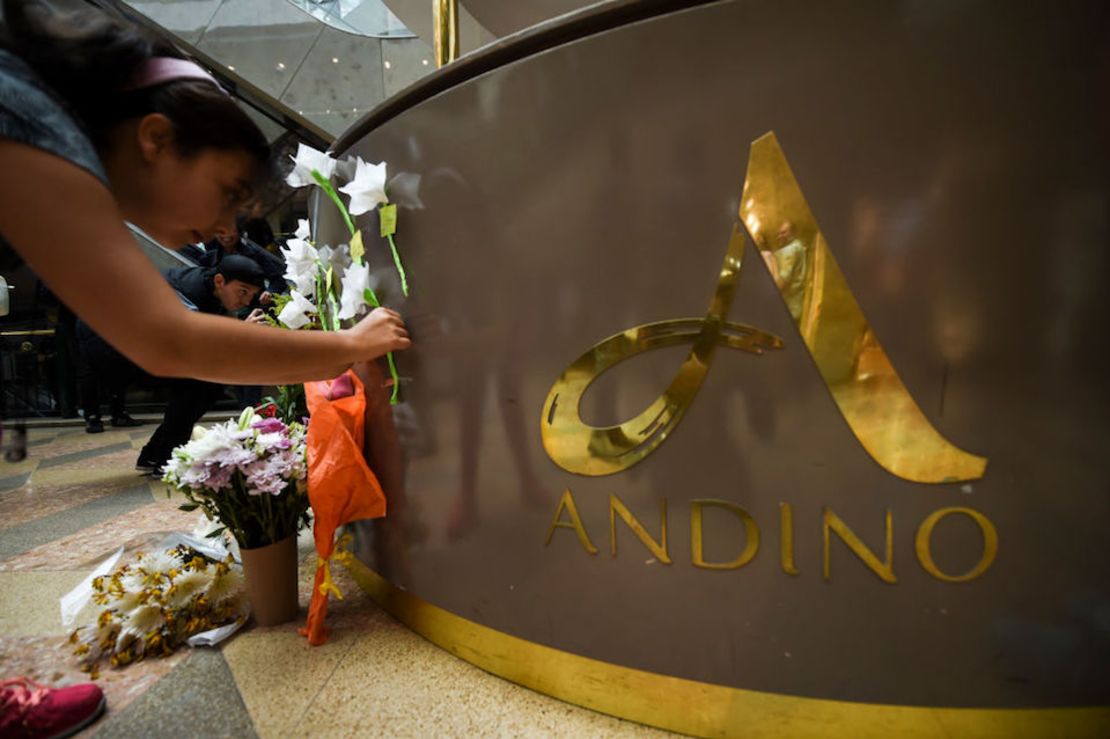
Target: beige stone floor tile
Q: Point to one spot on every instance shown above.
(29, 602)
(393, 682)
(279, 674)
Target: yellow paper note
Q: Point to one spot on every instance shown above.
(387, 216)
(357, 249)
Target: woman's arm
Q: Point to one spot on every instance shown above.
(68, 228)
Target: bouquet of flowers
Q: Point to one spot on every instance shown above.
(330, 285)
(158, 602)
(249, 474)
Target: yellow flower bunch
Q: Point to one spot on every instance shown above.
(154, 604)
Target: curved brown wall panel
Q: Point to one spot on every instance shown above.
(857, 367)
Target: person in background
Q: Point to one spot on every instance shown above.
(223, 290)
(235, 241)
(101, 366)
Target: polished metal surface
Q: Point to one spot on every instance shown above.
(505, 17)
(445, 20)
(954, 156)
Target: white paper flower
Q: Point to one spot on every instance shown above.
(300, 265)
(294, 313)
(367, 188)
(355, 282)
(306, 160)
(338, 258)
(304, 229)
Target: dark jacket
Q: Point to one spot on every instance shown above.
(195, 285)
(272, 266)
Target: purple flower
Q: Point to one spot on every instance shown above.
(269, 426)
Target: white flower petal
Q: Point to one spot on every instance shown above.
(139, 622)
(367, 188)
(355, 281)
(293, 314)
(188, 584)
(300, 265)
(304, 230)
(306, 160)
(228, 585)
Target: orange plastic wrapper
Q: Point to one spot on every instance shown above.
(341, 486)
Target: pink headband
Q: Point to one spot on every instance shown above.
(162, 69)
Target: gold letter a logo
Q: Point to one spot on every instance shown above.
(872, 398)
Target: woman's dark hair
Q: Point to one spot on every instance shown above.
(89, 59)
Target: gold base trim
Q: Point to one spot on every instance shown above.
(703, 709)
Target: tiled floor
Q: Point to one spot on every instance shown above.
(76, 499)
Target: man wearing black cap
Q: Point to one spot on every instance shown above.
(224, 289)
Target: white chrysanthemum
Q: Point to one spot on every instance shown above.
(132, 579)
(129, 600)
(138, 623)
(227, 586)
(186, 585)
(161, 560)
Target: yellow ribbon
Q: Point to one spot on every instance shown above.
(341, 555)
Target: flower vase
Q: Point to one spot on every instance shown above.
(270, 573)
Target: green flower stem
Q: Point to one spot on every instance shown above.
(396, 380)
(321, 305)
(269, 518)
(334, 312)
(238, 531)
(330, 190)
(400, 267)
(372, 299)
(327, 187)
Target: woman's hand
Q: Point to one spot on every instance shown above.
(380, 332)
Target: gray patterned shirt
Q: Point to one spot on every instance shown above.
(31, 114)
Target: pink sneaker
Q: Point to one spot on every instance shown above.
(32, 711)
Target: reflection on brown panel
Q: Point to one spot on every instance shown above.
(948, 190)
